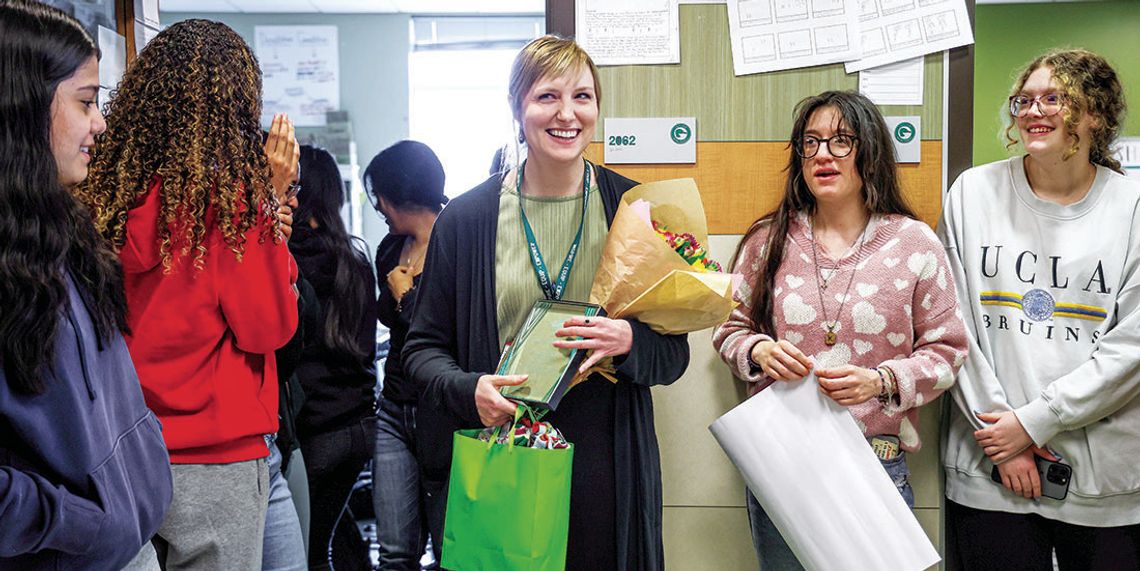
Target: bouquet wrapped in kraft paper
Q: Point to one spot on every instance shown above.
(654, 266)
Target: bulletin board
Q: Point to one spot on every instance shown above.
(743, 123)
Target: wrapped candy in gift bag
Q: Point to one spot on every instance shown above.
(508, 500)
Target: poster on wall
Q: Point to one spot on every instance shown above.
(300, 69)
(114, 60)
(897, 30)
(629, 32)
(771, 35)
(90, 13)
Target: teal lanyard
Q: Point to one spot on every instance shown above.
(553, 290)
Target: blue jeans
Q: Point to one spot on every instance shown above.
(283, 548)
(397, 493)
(771, 549)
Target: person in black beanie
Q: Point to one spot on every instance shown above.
(405, 183)
(336, 425)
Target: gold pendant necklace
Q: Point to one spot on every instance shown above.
(830, 337)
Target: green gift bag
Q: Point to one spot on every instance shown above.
(508, 507)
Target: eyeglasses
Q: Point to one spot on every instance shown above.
(1048, 104)
(839, 146)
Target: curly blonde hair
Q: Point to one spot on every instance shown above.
(1090, 86)
(186, 113)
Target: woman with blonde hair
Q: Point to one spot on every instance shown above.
(1045, 248)
(182, 187)
(479, 282)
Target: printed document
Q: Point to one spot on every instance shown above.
(770, 35)
(896, 30)
(629, 32)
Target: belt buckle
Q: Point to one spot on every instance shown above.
(885, 447)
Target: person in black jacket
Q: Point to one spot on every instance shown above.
(336, 426)
(405, 182)
(84, 474)
(483, 275)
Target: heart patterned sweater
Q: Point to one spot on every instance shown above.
(900, 311)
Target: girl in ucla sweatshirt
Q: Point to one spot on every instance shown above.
(1045, 249)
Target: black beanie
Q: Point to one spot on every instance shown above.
(407, 174)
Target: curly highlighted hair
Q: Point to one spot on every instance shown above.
(186, 113)
(1091, 87)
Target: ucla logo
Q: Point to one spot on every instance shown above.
(1038, 305)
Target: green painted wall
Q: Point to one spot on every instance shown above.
(1011, 35)
(729, 108)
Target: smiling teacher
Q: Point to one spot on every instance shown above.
(533, 232)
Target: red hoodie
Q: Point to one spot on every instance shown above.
(203, 340)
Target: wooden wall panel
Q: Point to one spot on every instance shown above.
(741, 181)
(754, 107)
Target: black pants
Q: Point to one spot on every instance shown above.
(1025, 542)
(586, 418)
(333, 461)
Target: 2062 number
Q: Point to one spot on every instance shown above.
(623, 140)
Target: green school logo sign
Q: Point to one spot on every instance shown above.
(905, 132)
(680, 133)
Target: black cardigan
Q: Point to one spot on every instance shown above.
(454, 339)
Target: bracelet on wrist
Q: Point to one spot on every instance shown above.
(752, 362)
(887, 384)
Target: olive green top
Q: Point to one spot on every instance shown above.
(555, 223)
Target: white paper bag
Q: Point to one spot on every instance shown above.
(809, 465)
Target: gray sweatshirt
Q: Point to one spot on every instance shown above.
(1051, 297)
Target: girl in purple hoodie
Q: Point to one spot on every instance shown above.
(84, 475)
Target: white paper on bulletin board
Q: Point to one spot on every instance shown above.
(897, 30)
(629, 32)
(771, 35)
(300, 68)
(114, 60)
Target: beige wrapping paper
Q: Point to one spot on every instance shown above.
(641, 277)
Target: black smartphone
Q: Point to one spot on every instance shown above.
(1055, 477)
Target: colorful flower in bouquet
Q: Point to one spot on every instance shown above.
(689, 248)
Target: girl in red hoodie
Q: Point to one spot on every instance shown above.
(183, 188)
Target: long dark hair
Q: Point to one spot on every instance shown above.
(875, 161)
(321, 198)
(45, 234)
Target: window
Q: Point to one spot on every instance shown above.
(459, 74)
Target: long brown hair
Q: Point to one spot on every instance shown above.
(875, 161)
(1090, 86)
(186, 111)
(46, 236)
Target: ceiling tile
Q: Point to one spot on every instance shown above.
(274, 6)
(218, 6)
(355, 6)
(468, 7)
